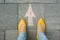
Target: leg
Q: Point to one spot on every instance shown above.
(42, 36)
(22, 30)
(22, 36)
(40, 30)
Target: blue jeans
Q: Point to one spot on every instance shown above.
(41, 36)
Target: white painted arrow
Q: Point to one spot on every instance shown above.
(30, 14)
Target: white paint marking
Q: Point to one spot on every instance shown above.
(30, 14)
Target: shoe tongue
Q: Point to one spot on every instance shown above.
(22, 27)
(41, 28)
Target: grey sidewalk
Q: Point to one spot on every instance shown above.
(11, 11)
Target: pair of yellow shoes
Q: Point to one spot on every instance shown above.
(40, 25)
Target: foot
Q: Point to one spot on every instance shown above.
(40, 26)
(22, 26)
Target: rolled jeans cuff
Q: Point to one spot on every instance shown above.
(42, 36)
(22, 36)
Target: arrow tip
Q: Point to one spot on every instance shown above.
(30, 12)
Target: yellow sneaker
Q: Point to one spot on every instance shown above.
(22, 26)
(40, 26)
